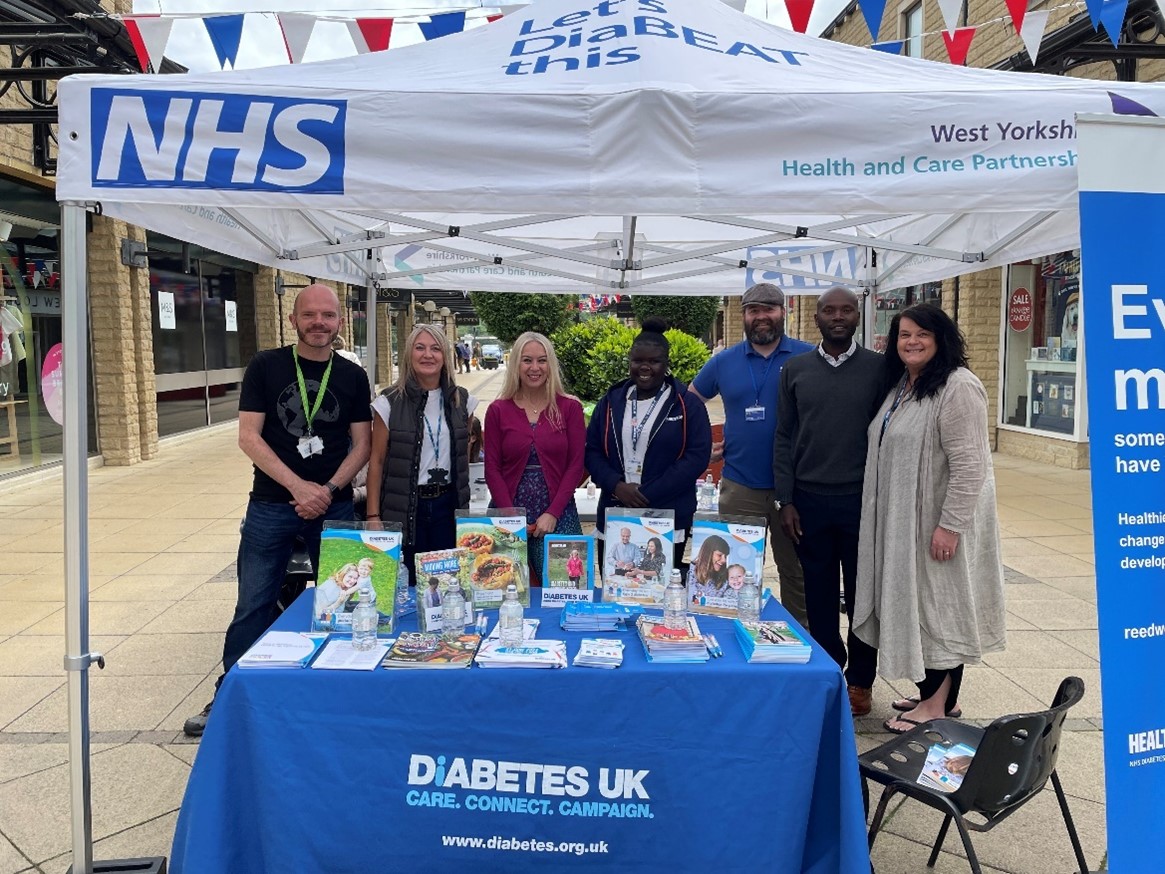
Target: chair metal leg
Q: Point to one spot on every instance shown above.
(1076, 848)
(966, 836)
(938, 842)
(887, 794)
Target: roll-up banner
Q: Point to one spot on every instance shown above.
(1122, 220)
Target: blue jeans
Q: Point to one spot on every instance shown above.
(269, 532)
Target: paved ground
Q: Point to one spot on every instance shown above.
(163, 540)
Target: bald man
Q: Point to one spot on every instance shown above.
(304, 421)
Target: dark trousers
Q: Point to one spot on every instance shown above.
(829, 557)
(436, 529)
(934, 678)
(268, 539)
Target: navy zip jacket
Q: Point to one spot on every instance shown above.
(678, 450)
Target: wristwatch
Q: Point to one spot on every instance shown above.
(333, 488)
(782, 504)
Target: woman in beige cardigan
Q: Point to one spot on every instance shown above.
(930, 576)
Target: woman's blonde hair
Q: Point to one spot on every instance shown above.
(553, 385)
(406, 362)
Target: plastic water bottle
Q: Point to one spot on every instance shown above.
(364, 621)
(452, 611)
(748, 600)
(510, 619)
(402, 590)
(675, 603)
(706, 494)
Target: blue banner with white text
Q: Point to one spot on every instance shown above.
(1124, 329)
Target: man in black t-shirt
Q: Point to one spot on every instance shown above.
(305, 422)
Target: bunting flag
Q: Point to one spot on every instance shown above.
(958, 44)
(872, 11)
(297, 30)
(371, 34)
(1112, 16)
(890, 48)
(1093, 7)
(1018, 9)
(1032, 33)
(149, 35)
(799, 12)
(950, 10)
(442, 25)
(225, 32)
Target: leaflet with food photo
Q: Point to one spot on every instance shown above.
(496, 540)
(355, 556)
(637, 554)
(724, 550)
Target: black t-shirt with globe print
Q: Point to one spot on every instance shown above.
(271, 387)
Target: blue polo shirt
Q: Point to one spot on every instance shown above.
(744, 378)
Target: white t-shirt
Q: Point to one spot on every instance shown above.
(634, 451)
(435, 442)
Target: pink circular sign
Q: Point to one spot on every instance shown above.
(51, 384)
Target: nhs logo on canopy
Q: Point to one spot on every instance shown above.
(237, 142)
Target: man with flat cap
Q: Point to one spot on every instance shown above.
(746, 376)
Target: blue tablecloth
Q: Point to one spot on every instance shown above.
(720, 766)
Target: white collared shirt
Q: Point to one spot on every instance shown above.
(840, 359)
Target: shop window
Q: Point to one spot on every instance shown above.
(912, 31)
(891, 301)
(1041, 345)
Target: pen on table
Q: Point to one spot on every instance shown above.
(716, 643)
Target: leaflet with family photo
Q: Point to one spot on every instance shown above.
(568, 568)
(637, 554)
(497, 541)
(946, 766)
(355, 556)
(724, 550)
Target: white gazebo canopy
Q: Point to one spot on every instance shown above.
(654, 146)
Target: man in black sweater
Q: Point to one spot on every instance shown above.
(827, 399)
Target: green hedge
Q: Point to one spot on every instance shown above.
(593, 355)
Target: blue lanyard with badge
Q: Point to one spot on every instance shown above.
(635, 458)
(310, 444)
(756, 413)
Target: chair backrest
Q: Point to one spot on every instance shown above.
(1017, 755)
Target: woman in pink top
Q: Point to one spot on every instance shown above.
(535, 439)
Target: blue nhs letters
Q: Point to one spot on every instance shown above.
(190, 139)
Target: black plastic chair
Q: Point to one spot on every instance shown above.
(1014, 758)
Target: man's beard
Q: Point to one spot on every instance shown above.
(304, 338)
(762, 335)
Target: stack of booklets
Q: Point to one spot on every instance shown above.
(341, 655)
(428, 649)
(531, 654)
(283, 649)
(772, 641)
(587, 616)
(672, 645)
(599, 653)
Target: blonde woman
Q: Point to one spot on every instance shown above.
(536, 438)
(418, 473)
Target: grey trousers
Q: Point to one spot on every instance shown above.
(738, 500)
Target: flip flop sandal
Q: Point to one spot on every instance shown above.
(905, 705)
(886, 725)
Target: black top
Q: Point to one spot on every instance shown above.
(820, 444)
(270, 387)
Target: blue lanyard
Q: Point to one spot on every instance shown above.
(636, 432)
(435, 439)
(890, 412)
(765, 378)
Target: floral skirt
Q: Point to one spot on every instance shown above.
(533, 494)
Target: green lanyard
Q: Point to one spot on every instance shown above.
(310, 413)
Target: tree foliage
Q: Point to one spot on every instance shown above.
(509, 314)
(593, 355)
(692, 315)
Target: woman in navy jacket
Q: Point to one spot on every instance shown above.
(649, 439)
